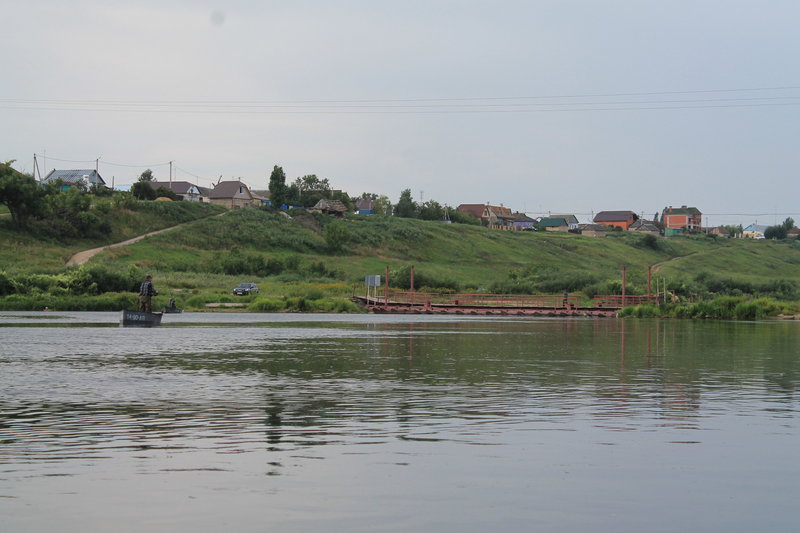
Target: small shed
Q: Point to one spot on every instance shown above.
(329, 207)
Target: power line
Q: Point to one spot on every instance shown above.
(104, 162)
(390, 100)
(390, 111)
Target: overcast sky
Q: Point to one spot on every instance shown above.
(558, 105)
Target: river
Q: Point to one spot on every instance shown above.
(274, 422)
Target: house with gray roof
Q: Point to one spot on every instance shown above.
(571, 220)
(232, 194)
(184, 190)
(70, 178)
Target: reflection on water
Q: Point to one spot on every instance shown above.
(392, 423)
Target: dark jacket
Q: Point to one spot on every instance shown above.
(147, 289)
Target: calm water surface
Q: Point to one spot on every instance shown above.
(258, 422)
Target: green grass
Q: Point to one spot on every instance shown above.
(202, 261)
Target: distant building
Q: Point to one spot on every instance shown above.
(686, 218)
(71, 178)
(754, 231)
(232, 194)
(616, 219)
(593, 230)
(645, 226)
(571, 220)
(522, 221)
(184, 190)
(553, 224)
(493, 216)
(719, 231)
(365, 206)
(329, 207)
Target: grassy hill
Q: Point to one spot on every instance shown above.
(316, 258)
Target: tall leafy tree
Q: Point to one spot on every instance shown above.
(147, 176)
(277, 187)
(406, 207)
(20, 193)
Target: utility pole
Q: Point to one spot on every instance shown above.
(170, 173)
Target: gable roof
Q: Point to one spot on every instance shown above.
(71, 177)
(522, 217)
(614, 216)
(644, 225)
(334, 206)
(178, 187)
(570, 219)
(365, 204)
(683, 210)
(758, 228)
(476, 210)
(231, 189)
(593, 227)
(552, 222)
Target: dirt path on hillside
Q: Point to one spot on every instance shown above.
(82, 257)
(657, 266)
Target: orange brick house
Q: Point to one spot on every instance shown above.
(616, 219)
(689, 218)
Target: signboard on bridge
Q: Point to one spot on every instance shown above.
(372, 281)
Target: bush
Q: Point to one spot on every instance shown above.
(267, 305)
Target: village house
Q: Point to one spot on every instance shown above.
(232, 194)
(754, 231)
(553, 224)
(493, 216)
(523, 221)
(71, 178)
(645, 226)
(593, 230)
(683, 218)
(719, 231)
(365, 206)
(616, 219)
(184, 190)
(571, 220)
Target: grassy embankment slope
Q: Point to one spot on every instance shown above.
(303, 264)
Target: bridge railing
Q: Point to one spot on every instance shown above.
(617, 300)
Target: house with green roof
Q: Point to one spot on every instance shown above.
(684, 218)
(553, 224)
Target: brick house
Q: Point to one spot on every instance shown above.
(616, 219)
(232, 194)
(493, 216)
(688, 218)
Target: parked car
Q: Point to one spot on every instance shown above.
(243, 289)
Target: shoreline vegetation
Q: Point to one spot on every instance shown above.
(309, 262)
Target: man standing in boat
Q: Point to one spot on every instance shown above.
(146, 293)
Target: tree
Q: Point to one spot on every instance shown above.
(164, 192)
(147, 176)
(310, 189)
(143, 191)
(788, 223)
(383, 206)
(277, 187)
(775, 232)
(20, 193)
(406, 207)
(431, 210)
